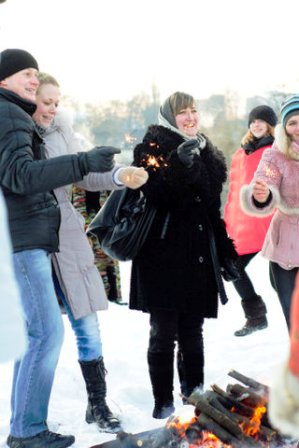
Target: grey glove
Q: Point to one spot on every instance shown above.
(99, 159)
(186, 152)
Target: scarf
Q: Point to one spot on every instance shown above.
(257, 143)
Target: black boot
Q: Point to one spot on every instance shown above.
(255, 312)
(113, 294)
(190, 371)
(97, 409)
(161, 375)
(43, 439)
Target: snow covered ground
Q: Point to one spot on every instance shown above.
(125, 337)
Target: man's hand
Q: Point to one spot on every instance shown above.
(132, 176)
(100, 159)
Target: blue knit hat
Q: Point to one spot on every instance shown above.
(289, 108)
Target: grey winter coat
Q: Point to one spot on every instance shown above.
(74, 263)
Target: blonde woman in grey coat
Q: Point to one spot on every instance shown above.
(78, 283)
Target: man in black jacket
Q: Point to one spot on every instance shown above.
(27, 180)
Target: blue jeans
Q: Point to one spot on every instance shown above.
(86, 329)
(34, 373)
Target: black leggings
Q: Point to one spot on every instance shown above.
(244, 285)
(167, 326)
(283, 282)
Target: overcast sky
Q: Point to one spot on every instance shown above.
(113, 49)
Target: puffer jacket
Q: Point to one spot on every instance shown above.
(282, 176)
(74, 265)
(248, 232)
(174, 269)
(27, 178)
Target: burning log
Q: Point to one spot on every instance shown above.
(204, 423)
(202, 404)
(265, 432)
(234, 424)
(230, 402)
(235, 418)
(246, 395)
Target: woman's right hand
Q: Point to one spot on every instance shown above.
(260, 191)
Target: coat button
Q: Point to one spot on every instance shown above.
(197, 199)
(200, 227)
(200, 259)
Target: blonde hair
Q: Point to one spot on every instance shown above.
(283, 141)
(249, 137)
(45, 78)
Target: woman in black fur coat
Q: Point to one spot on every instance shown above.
(176, 275)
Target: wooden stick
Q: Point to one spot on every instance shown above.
(223, 420)
(264, 431)
(231, 402)
(245, 394)
(206, 423)
(247, 381)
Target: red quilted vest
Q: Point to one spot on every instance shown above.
(248, 232)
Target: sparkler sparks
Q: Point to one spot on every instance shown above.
(270, 173)
(129, 139)
(154, 162)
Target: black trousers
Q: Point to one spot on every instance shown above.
(244, 285)
(169, 326)
(283, 281)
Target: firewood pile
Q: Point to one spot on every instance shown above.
(231, 418)
(237, 417)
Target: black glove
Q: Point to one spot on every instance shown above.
(99, 159)
(230, 270)
(186, 152)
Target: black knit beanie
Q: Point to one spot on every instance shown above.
(14, 60)
(265, 113)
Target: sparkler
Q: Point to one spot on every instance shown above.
(154, 162)
(270, 172)
(129, 139)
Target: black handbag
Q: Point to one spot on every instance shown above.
(123, 223)
(227, 270)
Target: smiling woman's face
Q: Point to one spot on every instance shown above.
(292, 128)
(47, 101)
(187, 121)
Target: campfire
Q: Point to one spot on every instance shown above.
(231, 418)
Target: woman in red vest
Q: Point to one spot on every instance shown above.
(248, 232)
